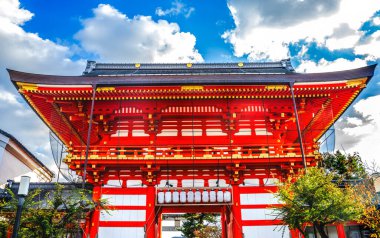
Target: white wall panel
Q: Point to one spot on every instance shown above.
(222, 183)
(189, 183)
(258, 214)
(258, 198)
(123, 215)
(134, 183)
(121, 232)
(173, 182)
(125, 200)
(270, 181)
(251, 182)
(114, 184)
(265, 231)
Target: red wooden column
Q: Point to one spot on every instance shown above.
(340, 231)
(150, 224)
(295, 233)
(223, 221)
(237, 229)
(94, 223)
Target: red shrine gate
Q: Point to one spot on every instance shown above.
(167, 138)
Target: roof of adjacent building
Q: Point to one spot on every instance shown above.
(30, 154)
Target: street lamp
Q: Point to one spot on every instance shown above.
(23, 190)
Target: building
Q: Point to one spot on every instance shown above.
(16, 160)
(161, 139)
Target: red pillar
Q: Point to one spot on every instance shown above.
(150, 224)
(295, 233)
(237, 228)
(340, 231)
(94, 223)
(159, 223)
(223, 221)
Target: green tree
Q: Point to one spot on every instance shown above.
(343, 166)
(202, 225)
(58, 214)
(312, 198)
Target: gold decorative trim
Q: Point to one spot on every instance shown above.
(276, 87)
(105, 89)
(27, 86)
(192, 88)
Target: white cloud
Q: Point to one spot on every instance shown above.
(371, 47)
(27, 51)
(376, 20)
(360, 132)
(264, 29)
(177, 8)
(10, 11)
(115, 37)
(308, 66)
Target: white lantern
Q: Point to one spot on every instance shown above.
(227, 196)
(205, 197)
(168, 197)
(176, 196)
(161, 197)
(197, 196)
(182, 196)
(212, 196)
(219, 196)
(190, 196)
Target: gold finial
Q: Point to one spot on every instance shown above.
(137, 65)
(240, 64)
(189, 65)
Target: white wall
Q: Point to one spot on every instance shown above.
(121, 232)
(12, 168)
(265, 231)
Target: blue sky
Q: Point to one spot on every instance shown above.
(57, 37)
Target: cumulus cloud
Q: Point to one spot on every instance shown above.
(309, 66)
(371, 47)
(360, 131)
(264, 29)
(178, 8)
(27, 51)
(113, 36)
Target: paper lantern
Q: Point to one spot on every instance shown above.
(175, 196)
(168, 197)
(161, 197)
(205, 197)
(190, 196)
(182, 196)
(212, 196)
(197, 196)
(227, 196)
(219, 196)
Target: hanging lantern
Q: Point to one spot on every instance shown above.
(197, 196)
(227, 196)
(190, 196)
(182, 196)
(205, 197)
(212, 196)
(219, 196)
(168, 197)
(175, 196)
(161, 197)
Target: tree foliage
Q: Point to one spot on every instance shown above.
(370, 202)
(344, 166)
(201, 225)
(58, 214)
(312, 198)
